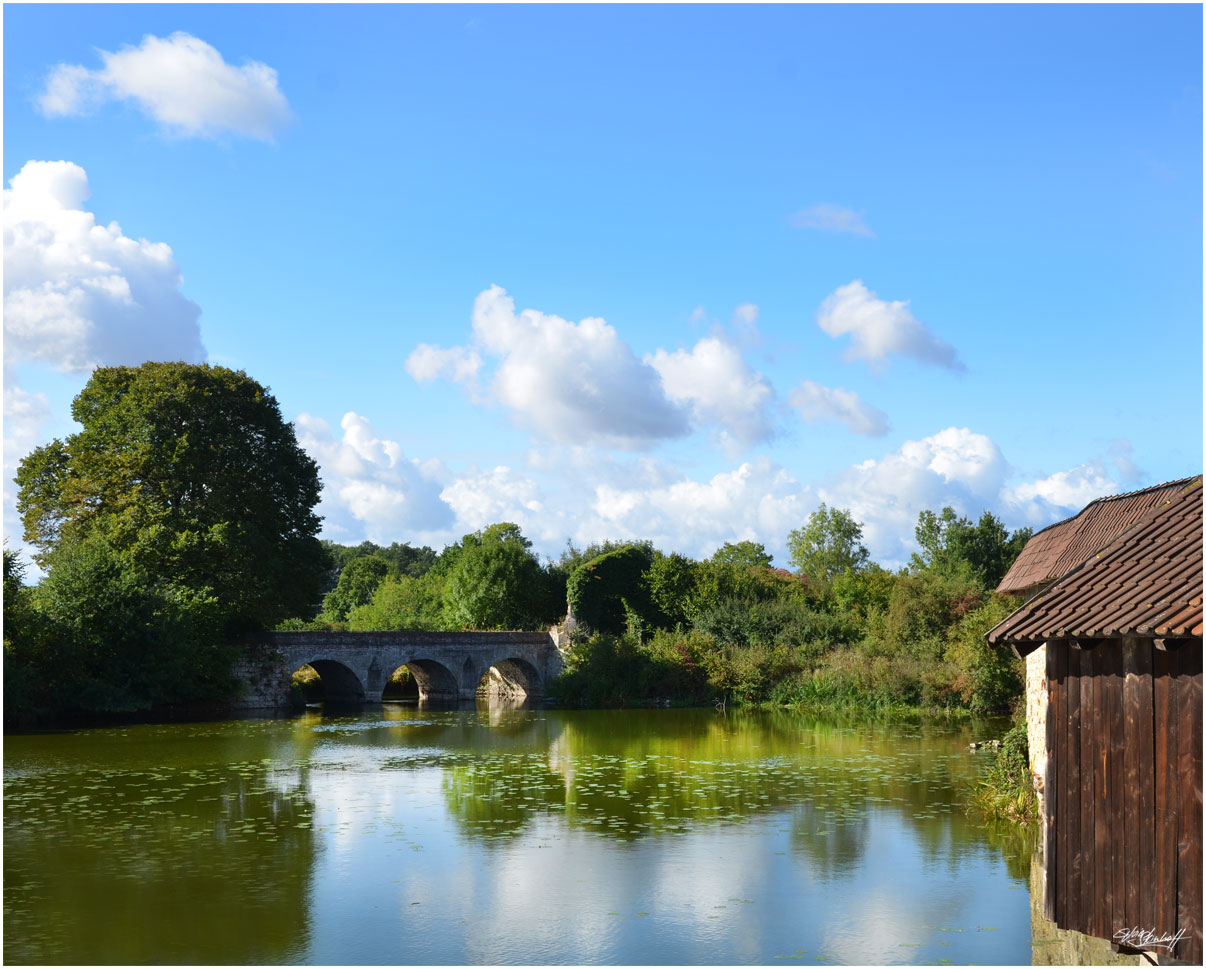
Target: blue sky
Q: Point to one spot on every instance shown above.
(886, 257)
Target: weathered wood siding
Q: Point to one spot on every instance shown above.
(1124, 790)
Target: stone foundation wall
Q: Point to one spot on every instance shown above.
(265, 678)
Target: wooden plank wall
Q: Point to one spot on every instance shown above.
(1123, 830)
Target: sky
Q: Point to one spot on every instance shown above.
(675, 272)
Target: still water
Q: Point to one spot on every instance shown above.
(507, 835)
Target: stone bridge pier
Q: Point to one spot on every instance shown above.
(355, 666)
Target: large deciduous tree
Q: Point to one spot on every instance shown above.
(189, 476)
(495, 582)
(950, 542)
(829, 543)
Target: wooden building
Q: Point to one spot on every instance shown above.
(1122, 772)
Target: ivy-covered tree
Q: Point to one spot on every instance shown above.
(188, 477)
(604, 592)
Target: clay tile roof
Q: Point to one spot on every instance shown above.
(1058, 549)
(1147, 582)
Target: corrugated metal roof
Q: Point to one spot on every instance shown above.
(1147, 582)
(1058, 549)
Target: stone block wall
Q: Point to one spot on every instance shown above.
(1036, 717)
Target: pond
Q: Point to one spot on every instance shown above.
(496, 835)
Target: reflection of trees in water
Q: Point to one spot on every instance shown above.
(170, 864)
(628, 774)
(833, 841)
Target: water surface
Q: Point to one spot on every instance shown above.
(493, 835)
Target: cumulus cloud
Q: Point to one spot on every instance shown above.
(955, 467)
(567, 382)
(1050, 499)
(481, 498)
(579, 383)
(77, 294)
(756, 500)
(458, 364)
(24, 416)
(818, 403)
(719, 387)
(832, 218)
(181, 82)
(370, 488)
(578, 492)
(879, 329)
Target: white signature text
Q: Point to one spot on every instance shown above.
(1138, 938)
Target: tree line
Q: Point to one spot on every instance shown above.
(182, 515)
(834, 629)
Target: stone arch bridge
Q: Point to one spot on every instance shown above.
(355, 666)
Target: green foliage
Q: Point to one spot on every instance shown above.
(496, 582)
(829, 544)
(743, 553)
(859, 595)
(950, 544)
(1005, 788)
(402, 558)
(306, 687)
(988, 678)
(572, 557)
(606, 591)
(920, 610)
(357, 583)
(180, 514)
(405, 602)
(671, 581)
(116, 638)
(190, 475)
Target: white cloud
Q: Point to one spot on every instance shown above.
(1059, 495)
(567, 382)
(757, 501)
(955, 467)
(429, 362)
(78, 295)
(371, 489)
(587, 495)
(579, 383)
(481, 498)
(719, 386)
(24, 416)
(832, 218)
(181, 82)
(880, 329)
(818, 403)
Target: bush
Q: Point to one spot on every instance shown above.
(987, 678)
(1005, 788)
(405, 602)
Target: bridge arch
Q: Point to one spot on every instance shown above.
(340, 684)
(402, 686)
(513, 677)
(436, 681)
